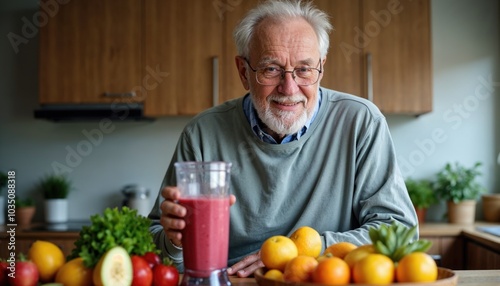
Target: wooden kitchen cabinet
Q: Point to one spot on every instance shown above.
(164, 53)
(24, 239)
(90, 52)
(183, 39)
(342, 71)
(231, 86)
(397, 55)
(479, 256)
(177, 57)
(449, 248)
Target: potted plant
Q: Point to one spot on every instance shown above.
(491, 204)
(422, 196)
(3, 184)
(55, 190)
(25, 210)
(458, 187)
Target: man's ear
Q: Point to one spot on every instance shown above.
(323, 61)
(242, 71)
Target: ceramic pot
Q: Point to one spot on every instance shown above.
(24, 215)
(491, 207)
(463, 212)
(56, 210)
(421, 212)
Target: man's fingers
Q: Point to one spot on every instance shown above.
(246, 266)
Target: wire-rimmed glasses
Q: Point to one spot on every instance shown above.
(273, 74)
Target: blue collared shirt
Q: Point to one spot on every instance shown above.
(255, 122)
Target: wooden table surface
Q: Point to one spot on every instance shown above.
(465, 278)
(478, 277)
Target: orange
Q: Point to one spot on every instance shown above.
(416, 267)
(47, 257)
(332, 271)
(340, 249)
(74, 273)
(274, 274)
(300, 269)
(359, 253)
(374, 269)
(276, 251)
(307, 240)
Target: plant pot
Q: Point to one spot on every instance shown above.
(463, 212)
(24, 215)
(491, 207)
(421, 212)
(56, 210)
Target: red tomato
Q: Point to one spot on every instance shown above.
(3, 272)
(26, 274)
(143, 275)
(152, 258)
(165, 274)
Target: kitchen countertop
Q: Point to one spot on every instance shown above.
(469, 231)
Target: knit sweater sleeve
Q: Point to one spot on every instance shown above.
(379, 192)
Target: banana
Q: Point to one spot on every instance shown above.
(382, 249)
(409, 235)
(391, 240)
(373, 234)
(396, 240)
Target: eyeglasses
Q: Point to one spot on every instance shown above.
(273, 74)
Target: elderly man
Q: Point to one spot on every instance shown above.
(301, 154)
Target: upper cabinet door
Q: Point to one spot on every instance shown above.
(90, 52)
(343, 68)
(397, 40)
(231, 86)
(183, 45)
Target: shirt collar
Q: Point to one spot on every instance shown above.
(256, 123)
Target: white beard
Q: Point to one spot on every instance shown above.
(283, 122)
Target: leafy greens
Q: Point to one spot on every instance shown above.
(123, 227)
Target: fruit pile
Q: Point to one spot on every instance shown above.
(116, 249)
(46, 264)
(391, 257)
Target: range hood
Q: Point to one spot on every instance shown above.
(92, 112)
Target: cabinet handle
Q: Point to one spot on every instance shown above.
(369, 77)
(120, 94)
(215, 81)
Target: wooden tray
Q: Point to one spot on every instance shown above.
(446, 277)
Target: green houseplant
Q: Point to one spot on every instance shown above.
(458, 186)
(422, 196)
(55, 189)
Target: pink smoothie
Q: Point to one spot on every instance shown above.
(206, 235)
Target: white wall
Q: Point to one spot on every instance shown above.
(466, 45)
(463, 125)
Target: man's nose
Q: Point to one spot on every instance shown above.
(288, 86)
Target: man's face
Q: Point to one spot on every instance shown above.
(285, 107)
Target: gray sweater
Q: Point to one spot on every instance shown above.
(340, 177)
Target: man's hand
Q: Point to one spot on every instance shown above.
(246, 266)
(172, 215)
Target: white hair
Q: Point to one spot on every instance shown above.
(282, 10)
